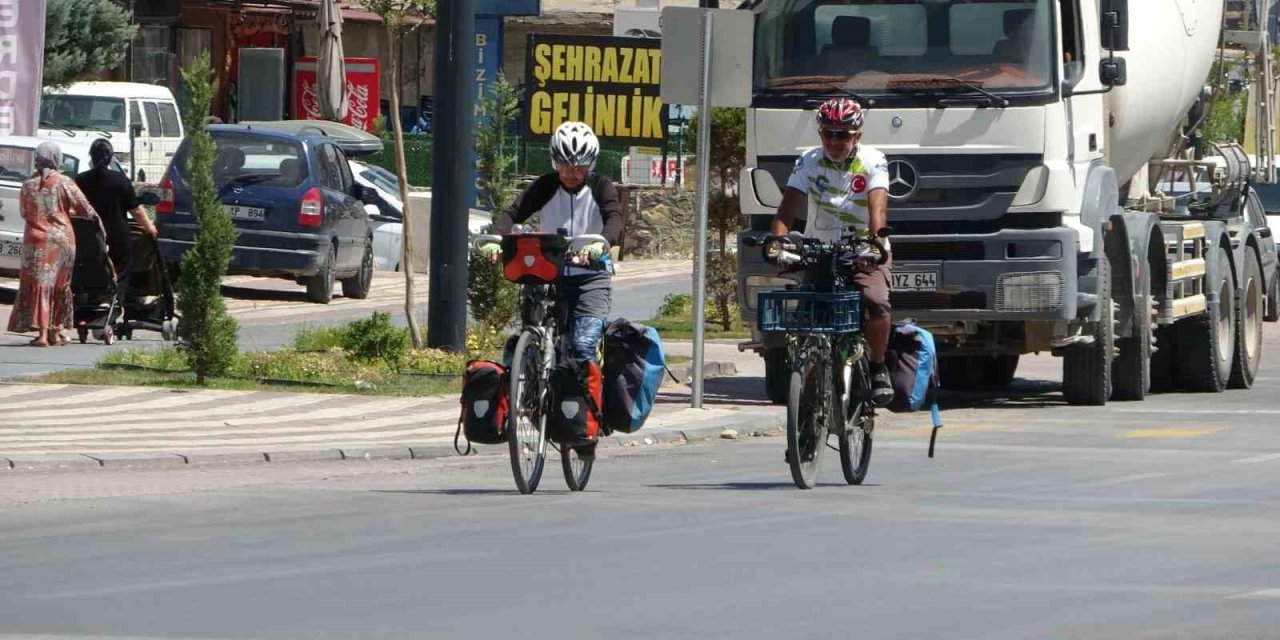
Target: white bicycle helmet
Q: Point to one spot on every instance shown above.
(574, 144)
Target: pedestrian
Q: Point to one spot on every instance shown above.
(48, 201)
(114, 199)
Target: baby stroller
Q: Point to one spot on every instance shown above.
(94, 290)
(149, 302)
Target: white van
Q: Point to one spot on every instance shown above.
(86, 111)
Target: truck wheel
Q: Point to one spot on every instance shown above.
(1249, 307)
(1206, 342)
(1131, 371)
(1086, 368)
(1273, 299)
(777, 374)
(1000, 371)
(320, 286)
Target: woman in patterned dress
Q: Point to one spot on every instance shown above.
(48, 202)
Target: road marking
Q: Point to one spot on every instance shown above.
(1264, 594)
(1201, 412)
(10, 391)
(1137, 477)
(1255, 459)
(88, 398)
(120, 415)
(96, 412)
(1170, 432)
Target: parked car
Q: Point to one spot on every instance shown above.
(289, 190)
(1264, 211)
(86, 111)
(387, 214)
(17, 163)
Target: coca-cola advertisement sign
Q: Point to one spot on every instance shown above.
(363, 86)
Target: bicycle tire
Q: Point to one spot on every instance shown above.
(576, 467)
(527, 438)
(858, 422)
(804, 443)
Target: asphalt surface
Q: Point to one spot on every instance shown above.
(1035, 520)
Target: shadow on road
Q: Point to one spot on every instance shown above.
(742, 486)
(255, 293)
(473, 492)
(7, 295)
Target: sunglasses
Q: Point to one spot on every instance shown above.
(838, 134)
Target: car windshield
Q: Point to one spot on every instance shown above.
(382, 179)
(82, 113)
(19, 163)
(1269, 195)
(253, 160)
(905, 47)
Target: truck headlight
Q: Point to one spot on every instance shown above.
(756, 284)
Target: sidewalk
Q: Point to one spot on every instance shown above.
(65, 426)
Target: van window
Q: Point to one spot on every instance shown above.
(153, 119)
(252, 160)
(169, 118)
(135, 113)
(332, 173)
(82, 112)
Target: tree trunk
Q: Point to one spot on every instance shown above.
(406, 245)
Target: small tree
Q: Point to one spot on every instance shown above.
(494, 301)
(208, 333)
(396, 17)
(724, 213)
(83, 38)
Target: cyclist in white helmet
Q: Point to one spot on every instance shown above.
(581, 201)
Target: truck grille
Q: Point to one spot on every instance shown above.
(929, 300)
(923, 251)
(1030, 291)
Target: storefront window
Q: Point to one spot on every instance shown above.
(151, 53)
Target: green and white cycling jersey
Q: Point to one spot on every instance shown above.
(837, 192)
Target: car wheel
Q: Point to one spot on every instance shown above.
(358, 285)
(320, 286)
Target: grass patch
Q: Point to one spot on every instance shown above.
(319, 339)
(675, 322)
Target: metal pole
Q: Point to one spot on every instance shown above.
(700, 230)
(453, 138)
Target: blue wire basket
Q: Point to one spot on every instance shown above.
(807, 311)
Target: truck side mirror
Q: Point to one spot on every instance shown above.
(766, 188)
(1112, 72)
(1115, 25)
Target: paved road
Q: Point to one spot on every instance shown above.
(1140, 520)
(271, 312)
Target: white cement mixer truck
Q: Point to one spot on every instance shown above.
(1046, 194)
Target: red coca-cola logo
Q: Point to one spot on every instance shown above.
(859, 184)
(358, 105)
(310, 100)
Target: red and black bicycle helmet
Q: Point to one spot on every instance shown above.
(841, 112)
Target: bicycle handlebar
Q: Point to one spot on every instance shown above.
(795, 249)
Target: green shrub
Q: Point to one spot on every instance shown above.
(675, 305)
(376, 340)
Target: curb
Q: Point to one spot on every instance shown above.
(745, 423)
(710, 371)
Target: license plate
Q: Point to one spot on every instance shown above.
(915, 280)
(8, 249)
(237, 212)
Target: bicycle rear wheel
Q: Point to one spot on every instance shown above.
(858, 422)
(576, 465)
(527, 419)
(806, 435)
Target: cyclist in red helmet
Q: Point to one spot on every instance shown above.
(844, 184)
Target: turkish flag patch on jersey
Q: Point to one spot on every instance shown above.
(859, 184)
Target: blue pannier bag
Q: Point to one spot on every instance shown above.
(634, 363)
(912, 360)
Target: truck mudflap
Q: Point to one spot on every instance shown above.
(1010, 275)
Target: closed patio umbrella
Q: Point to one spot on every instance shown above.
(331, 69)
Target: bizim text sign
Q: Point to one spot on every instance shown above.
(612, 84)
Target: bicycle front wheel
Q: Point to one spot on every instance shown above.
(576, 463)
(527, 418)
(858, 420)
(806, 434)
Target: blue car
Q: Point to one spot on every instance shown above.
(290, 193)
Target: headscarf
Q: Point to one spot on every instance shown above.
(48, 157)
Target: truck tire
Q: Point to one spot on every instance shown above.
(1249, 308)
(977, 373)
(1086, 368)
(1131, 371)
(777, 374)
(1206, 342)
(1000, 371)
(1273, 299)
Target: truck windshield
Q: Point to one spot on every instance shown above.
(904, 49)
